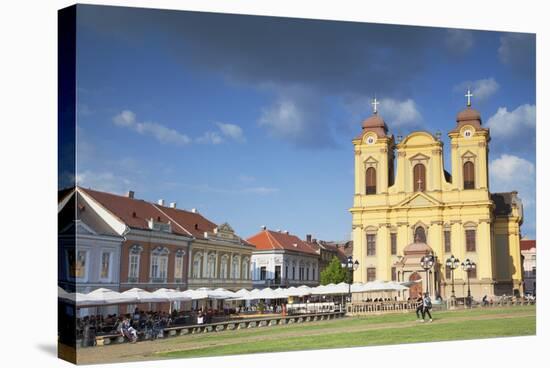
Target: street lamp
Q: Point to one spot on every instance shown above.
(452, 263)
(468, 266)
(427, 263)
(349, 265)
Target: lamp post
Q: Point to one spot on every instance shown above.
(452, 263)
(468, 266)
(350, 266)
(427, 263)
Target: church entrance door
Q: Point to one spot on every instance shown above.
(416, 289)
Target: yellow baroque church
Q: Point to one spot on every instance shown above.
(406, 205)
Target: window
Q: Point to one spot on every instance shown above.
(159, 264)
(371, 274)
(263, 273)
(394, 274)
(293, 272)
(105, 272)
(447, 273)
(470, 240)
(133, 269)
(393, 241)
(419, 177)
(307, 273)
(277, 274)
(371, 244)
(197, 263)
(223, 266)
(313, 274)
(211, 266)
(473, 273)
(447, 240)
(370, 179)
(235, 268)
(286, 272)
(178, 266)
(77, 267)
(468, 172)
(420, 235)
(245, 268)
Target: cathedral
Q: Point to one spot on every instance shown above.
(407, 206)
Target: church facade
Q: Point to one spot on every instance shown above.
(407, 205)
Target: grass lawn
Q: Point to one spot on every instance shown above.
(360, 331)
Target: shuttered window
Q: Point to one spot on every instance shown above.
(371, 274)
(419, 177)
(470, 240)
(468, 172)
(370, 180)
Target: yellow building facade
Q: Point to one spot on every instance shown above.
(406, 204)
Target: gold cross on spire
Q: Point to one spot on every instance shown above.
(469, 96)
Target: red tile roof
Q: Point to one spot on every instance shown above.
(135, 213)
(527, 244)
(268, 240)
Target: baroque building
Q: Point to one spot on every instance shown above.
(407, 205)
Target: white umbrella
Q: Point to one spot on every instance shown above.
(205, 293)
(62, 294)
(108, 296)
(143, 296)
(299, 291)
(170, 295)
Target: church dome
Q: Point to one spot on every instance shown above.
(375, 124)
(468, 114)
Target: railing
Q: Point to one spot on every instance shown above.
(379, 307)
(227, 326)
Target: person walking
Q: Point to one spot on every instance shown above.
(426, 307)
(419, 308)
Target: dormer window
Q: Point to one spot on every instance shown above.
(159, 226)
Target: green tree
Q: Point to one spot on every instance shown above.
(334, 273)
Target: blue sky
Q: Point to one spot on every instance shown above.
(250, 119)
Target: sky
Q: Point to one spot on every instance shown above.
(250, 119)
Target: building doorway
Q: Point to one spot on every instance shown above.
(415, 289)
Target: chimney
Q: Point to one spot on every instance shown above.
(308, 238)
(160, 202)
(264, 227)
(286, 232)
(194, 210)
(172, 204)
(130, 194)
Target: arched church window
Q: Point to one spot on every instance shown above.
(419, 177)
(468, 172)
(420, 235)
(370, 179)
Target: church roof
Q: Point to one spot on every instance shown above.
(468, 116)
(417, 247)
(375, 124)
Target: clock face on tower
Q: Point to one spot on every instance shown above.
(467, 133)
(370, 139)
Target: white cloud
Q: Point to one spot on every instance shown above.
(232, 131)
(297, 116)
(103, 181)
(510, 172)
(210, 138)
(482, 89)
(512, 124)
(400, 113)
(125, 118)
(459, 41)
(284, 118)
(160, 132)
